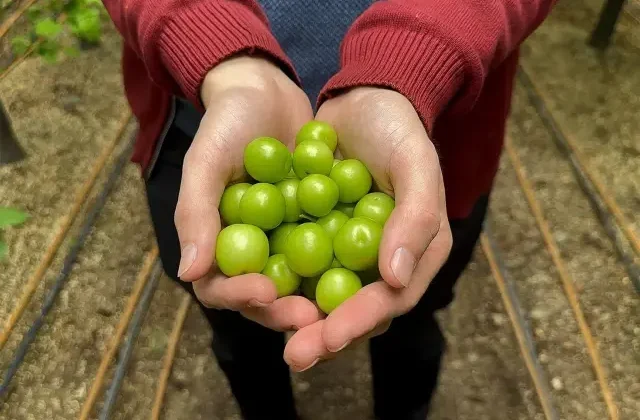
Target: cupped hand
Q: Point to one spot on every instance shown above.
(382, 129)
(244, 97)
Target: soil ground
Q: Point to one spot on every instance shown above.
(66, 114)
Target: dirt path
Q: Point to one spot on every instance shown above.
(64, 117)
(67, 114)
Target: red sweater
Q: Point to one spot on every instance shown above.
(453, 59)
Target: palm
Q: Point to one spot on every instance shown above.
(277, 110)
(372, 126)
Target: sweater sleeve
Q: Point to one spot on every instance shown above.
(434, 52)
(179, 41)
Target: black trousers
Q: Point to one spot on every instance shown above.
(405, 360)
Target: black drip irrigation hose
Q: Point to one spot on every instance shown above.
(126, 350)
(523, 325)
(67, 266)
(606, 220)
(605, 28)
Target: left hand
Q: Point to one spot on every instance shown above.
(381, 128)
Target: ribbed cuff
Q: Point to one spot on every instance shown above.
(422, 68)
(202, 35)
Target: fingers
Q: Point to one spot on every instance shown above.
(415, 175)
(305, 348)
(255, 296)
(382, 302)
(429, 265)
(236, 293)
(346, 327)
(196, 218)
(346, 324)
(285, 314)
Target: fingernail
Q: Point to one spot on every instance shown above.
(402, 265)
(257, 304)
(187, 257)
(315, 362)
(342, 347)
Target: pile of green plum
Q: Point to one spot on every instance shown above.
(324, 225)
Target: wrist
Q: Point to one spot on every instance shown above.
(358, 94)
(424, 67)
(242, 71)
(365, 97)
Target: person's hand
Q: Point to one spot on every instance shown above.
(244, 98)
(382, 129)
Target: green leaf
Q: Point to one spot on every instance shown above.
(20, 44)
(48, 28)
(34, 12)
(3, 250)
(70, 5)
(57, 6)
(48, 50)
(11, 217)
(86, 24)
(71, 52)
(49, 56)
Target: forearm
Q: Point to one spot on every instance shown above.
(180, 41)
(433, 51)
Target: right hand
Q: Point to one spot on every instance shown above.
(244, 98)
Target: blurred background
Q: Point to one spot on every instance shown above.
(545, 323)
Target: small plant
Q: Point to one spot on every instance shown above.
(61, 26)
(9, 217)
(4, 4)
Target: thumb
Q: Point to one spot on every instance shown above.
(414, 172)
(197, 219)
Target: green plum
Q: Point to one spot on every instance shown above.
(334, 287)
(277, 269)
(356, 244)
(308, 217)
(345, 208)
(289, 188)
(332, 222)
(317, 195)
(309, 284)
(312, 157)
(308, 250)
(376, 206)
(369, 276)
(318, 130)
(278, 238)
(308, 287)
(267, 160)
(292, 173)
(262, 205)
(230, 203)
(353, 180)
(241, 249)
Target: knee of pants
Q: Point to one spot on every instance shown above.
(229, 351)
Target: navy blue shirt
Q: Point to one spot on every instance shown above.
(310, 33)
